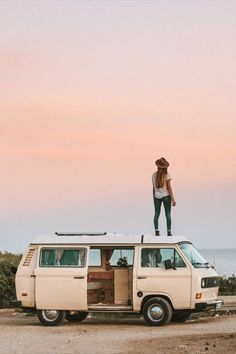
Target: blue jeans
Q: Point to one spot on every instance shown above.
(167, 206)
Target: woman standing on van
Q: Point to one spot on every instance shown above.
(162, 193)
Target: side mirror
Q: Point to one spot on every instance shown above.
(168, 264)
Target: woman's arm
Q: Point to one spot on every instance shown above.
(153, 183)
(168, 186)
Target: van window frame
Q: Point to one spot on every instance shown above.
(113, 247)
(95, 248)
(160, 247)
(121, 248)
(63, 248)
(198, 264)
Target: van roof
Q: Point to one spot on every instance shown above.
(105, 239)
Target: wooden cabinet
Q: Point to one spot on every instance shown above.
(122, 286)
(94, 296)
(115, 286)
(106, 292)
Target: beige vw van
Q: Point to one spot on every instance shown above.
(69, 275)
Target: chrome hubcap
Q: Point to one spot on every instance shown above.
(50, 315)
(155, 313)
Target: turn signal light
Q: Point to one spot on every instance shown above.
(198, 295)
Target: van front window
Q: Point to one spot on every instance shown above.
(193, 255)
(156, 257)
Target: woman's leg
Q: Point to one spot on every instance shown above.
(167, 206)
(157, 204)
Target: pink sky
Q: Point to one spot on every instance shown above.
(93, 93)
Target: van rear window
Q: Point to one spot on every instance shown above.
(59, 257)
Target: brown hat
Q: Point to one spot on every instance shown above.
(162, 163)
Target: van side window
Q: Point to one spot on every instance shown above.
(120, 256)
(95, 257)
(155, 257)
(59, 257)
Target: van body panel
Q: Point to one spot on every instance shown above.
(108, 239)
(61, 288)
(167, 285)
(25, 280)
(25, 286)
(161, 281)
(209, 295)
(136, 300)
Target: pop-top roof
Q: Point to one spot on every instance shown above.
(104, 239)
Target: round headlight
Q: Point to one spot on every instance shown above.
(203, 283)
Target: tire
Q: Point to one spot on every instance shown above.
(180, 316)
(157, 312)
(50, 317)
(73, 316)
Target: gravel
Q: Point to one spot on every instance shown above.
(21, 334)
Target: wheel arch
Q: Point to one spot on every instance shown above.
(151, 296)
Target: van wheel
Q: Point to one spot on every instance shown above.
(180, 316)
(50, 317)
(157, 311)
(73, 316)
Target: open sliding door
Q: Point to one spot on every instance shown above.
(61, 278)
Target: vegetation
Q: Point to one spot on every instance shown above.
(7, 278)
(228, 286)
(122, 262)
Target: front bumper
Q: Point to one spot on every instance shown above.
(204, 306)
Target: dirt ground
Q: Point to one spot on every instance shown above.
(214, 343)
(20, 334)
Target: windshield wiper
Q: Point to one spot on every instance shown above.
(208, 265)
(199, 265)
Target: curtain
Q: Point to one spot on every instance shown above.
(108, 255)
(59, 254)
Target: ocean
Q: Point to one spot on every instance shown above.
(224, 260)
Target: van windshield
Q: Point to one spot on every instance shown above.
(193, 255)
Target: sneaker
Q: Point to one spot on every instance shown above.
(157, 232)
(169, 233)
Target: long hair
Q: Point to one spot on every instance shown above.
(161, 177)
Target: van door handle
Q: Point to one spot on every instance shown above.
(79, 277)
(142, 277)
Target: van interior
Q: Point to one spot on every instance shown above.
(110, 278)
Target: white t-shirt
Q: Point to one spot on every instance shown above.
(160, 192)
